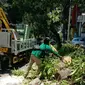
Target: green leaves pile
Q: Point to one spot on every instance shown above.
(77, 66)
(49, 67)
(17, 72)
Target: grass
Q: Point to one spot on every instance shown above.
(17, 72)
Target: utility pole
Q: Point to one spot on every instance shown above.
(68, 34)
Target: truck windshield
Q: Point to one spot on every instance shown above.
(23, 31)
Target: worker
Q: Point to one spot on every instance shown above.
(36, 55)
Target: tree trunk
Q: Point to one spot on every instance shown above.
(56, 36)
(65, 18)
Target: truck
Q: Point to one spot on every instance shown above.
(14, 43)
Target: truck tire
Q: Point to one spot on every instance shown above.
(4, 63)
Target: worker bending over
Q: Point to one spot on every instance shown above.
(36, 55)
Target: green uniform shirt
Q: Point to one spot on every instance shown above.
(43, 47)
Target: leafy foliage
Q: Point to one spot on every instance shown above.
(64, 82)
(77, 66)
(39, 13)
(17, 72)
(78, 73)
(49, 67)
(72, 50)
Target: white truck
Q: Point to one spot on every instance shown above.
(13, 49)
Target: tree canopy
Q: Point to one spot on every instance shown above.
(40, 14)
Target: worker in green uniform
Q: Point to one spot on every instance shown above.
(36, 55)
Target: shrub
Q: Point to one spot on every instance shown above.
(72, 50)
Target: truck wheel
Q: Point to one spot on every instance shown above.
(4, 63)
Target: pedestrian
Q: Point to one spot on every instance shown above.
(36, 55)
